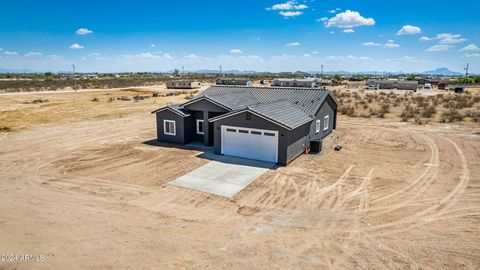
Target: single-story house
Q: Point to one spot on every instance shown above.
(395, 84)
(183, 84)
(234, 81)
(308, 83)
(271, 124)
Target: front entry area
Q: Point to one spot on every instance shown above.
(259, 144)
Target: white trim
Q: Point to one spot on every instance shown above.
(317, 126)
(174, 133)
(205, 98)
(203, 127)
(172, 110)
(255, 113)
(325, 122)
(223, 130)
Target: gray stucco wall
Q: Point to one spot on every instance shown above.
(291, 143)
(203, 107)
(240, 120)
(179, 126)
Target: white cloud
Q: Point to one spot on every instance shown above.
(292, 44)
(290, 5)
(371, 44)
(347, 58)
(290, 13)
(191, 56)
(235, 51)
(55, 57)
(473, 55)
(167, 56)
(348, 31)
(439, 48)
(147, 56)
(301, 6)
(76, 46)
(314, 52)
(97, 56)
(324, 19)
(83, 31)
(349, 19)
(10, 53)
(391, 44)
(447, 38)
(470, 47)
(425, 38)
(152, 45)
(306, 55)
(33, 54)
(333, 11)
(332, 32)
(409, 30)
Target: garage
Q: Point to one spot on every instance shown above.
(259, 144)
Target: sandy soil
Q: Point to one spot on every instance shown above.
(93, 194)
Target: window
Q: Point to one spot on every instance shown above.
(269, 134)
(325, 122)
(317, 126)
(200, 127)
(169, 127)
(256, 132)
(231, 130)
(243, 131)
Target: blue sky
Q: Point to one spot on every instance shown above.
(261, 35)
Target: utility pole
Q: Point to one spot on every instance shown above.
(220, 68)
(321, 71)
(183, 71)
(466, 72)
(74, 79)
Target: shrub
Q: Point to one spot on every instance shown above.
(95, 99)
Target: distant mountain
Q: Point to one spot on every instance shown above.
(442, 71)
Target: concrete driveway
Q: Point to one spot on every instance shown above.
(224, 175)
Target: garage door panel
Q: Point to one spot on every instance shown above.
(250, 143)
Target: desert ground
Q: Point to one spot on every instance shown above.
(82, 184)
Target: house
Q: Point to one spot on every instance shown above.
(442, 86)
(270, 124)
(395, 84)
(234, 81)
(308, 83)
(324, 82)
(183, 84)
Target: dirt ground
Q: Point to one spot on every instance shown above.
(92, 193)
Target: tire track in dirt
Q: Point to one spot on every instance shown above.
(427, 215)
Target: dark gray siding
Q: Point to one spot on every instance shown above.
(202, 108)
(240, 120)
(329, 108)
(179, 126)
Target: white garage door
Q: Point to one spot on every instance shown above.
(250, 143)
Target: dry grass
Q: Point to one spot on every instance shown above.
(24, 111)
(408, 106)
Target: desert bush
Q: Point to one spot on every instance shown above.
(124, 98)
(139, 97)
(111, 99)
(36, 101)
(428, 112)
(347, 110)
(5, 129)
(451, 115)
(95, 99)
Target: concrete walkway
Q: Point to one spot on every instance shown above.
(224, 176)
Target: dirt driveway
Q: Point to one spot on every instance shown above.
(93, 194)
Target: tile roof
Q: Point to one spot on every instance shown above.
(288, 106)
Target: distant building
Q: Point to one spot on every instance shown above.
(324, 82)
(182, 84)
(395, 84)
(442, 86)
(234, 81)
(307, 83)
(456, 88)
